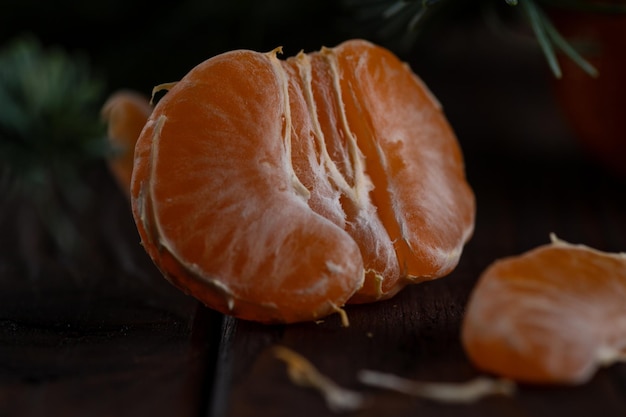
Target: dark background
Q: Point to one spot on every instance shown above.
(482, 74)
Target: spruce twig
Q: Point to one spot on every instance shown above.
(408, 16)
(50, 131)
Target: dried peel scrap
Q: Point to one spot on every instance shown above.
(345, 321)
(450, 393)
(161, 87)
(303, 373)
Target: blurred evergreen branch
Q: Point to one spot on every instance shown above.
(400, 21)
(49, 131)
(406, 18)
(550, 39)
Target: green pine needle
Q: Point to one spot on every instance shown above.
(50, 109)
(408, 15)
(566, 47)
(549, 38)
(537, 23)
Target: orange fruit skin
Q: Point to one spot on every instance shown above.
(277, 191)
(125, 113)
(550, 316)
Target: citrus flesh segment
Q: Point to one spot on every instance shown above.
(552, 315)
(274, 191)
(385, 147)
(413, 160)
(219, 208)
(339, 176)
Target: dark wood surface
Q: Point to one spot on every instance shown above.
(110, 337)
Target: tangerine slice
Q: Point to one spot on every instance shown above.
(277, 191)
(552, 315)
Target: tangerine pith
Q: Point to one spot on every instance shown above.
(277, 191)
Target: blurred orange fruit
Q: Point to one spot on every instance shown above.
(277, 191)
(594, 107)
(552, 315)
(125, 113)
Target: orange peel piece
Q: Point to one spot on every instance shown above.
(445, 392)
(302, 372)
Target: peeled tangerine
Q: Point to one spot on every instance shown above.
(278, 190)
(552, 315)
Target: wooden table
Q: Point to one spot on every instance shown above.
(112, 338)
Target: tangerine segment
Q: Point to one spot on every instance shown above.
(413, 159)
(275, 191)
(385, 164)
(125, 113)
(551, 315)
(327, 160)
(219, 207)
